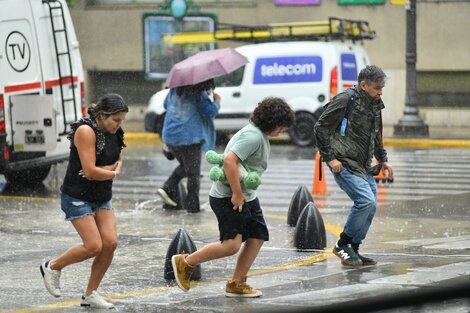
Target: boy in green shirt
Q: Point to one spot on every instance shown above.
(238, 211)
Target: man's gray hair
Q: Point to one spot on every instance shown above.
(371, 74)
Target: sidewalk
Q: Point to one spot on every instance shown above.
(450, 137)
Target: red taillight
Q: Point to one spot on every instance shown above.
(2, 115)
(82, 98)
(334, 82)
(6, 152)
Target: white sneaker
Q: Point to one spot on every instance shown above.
(96, 301)
(162, 193)
(51, 279)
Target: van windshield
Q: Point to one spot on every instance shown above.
(230, 80)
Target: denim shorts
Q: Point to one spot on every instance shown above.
(249, 222)
(76, 208)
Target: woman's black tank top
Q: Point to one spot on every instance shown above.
(108, 148)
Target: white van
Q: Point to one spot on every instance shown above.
(41, 87)
(305, 73)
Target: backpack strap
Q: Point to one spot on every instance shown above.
(350, 106)
(352, 95)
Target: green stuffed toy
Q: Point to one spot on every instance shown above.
(249, 179)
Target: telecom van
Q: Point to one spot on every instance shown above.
(307, 74)
(41, 87)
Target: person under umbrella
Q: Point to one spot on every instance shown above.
(188, 128)
(189, 121)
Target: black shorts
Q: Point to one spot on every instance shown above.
(249, 222)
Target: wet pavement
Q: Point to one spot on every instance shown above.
(420, 237)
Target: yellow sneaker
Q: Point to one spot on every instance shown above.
(182, 270)
(236, 289)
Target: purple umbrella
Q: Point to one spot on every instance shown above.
(205, 65)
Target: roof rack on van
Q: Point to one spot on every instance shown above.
(332, 29)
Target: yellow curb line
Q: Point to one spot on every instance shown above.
(388, 142)
(152, 137)
(28, 198)
(426, 143)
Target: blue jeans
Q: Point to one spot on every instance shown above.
(364, 194)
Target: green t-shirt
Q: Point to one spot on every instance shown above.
(251, 145)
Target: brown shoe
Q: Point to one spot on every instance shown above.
(236, 289)
(182, 270)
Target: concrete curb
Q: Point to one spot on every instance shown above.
(388, 142)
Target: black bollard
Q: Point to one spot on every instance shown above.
(310, 230)
(181, 243)
(178, 194)
(301, 197)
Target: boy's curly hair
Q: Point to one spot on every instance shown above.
(271, 113)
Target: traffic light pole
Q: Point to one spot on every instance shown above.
(411, 124)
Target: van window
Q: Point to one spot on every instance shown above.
(231, 80)
(348, 66)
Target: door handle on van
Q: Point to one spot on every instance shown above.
(236, 94)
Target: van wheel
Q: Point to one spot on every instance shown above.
(221, 138)
(27, 177)
(153, 122)
(150, 120)
(301, 133)
(159, 124)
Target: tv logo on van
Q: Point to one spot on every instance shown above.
(288, 70)
(18, 51)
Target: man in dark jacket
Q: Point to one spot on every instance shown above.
(347, 147)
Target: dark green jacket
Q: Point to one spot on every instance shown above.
(363, 136)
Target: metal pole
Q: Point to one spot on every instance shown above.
(411, 124)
